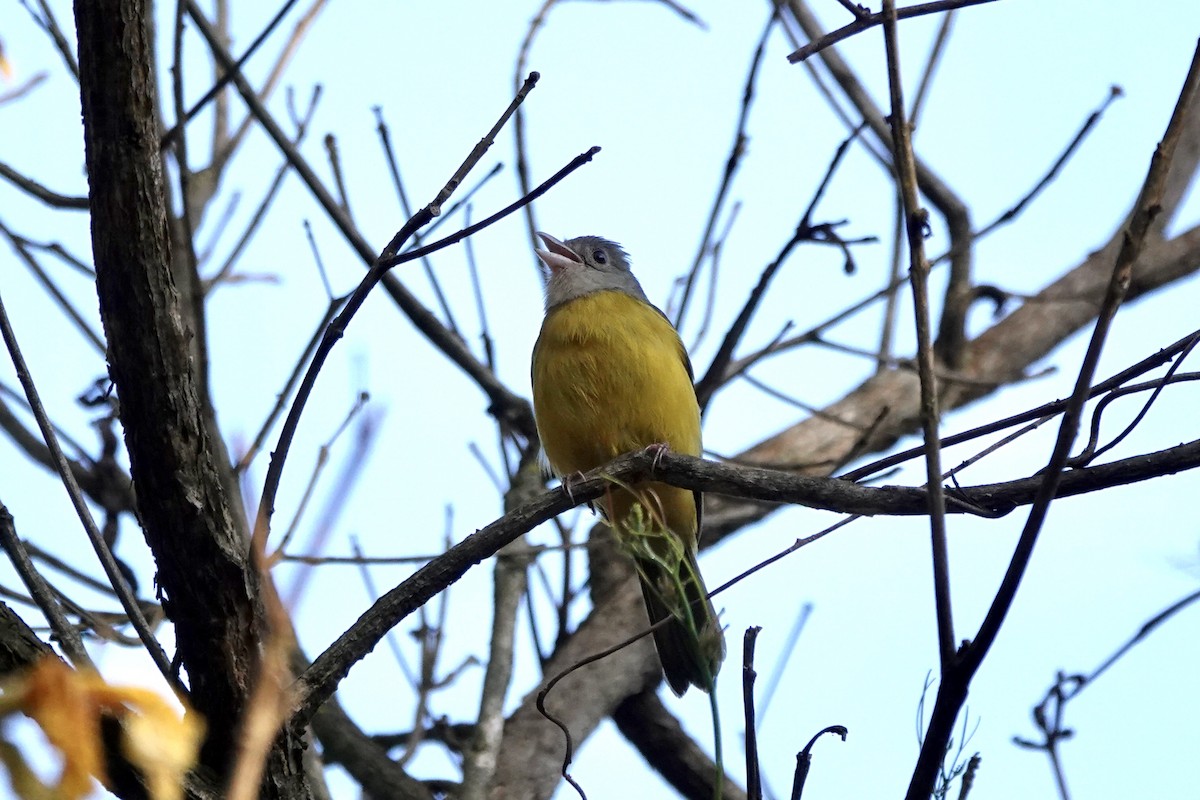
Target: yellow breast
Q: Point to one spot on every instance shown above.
(610, 375)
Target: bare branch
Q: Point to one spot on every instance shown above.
(915, 221)
(67, 635)
(227, 75)
(111, 569)
(951, 339)
(773, 486)
(406, 208)
(49, 23)
(865, 22)
(510, 582)
(953, 688)
(750, 718)
(736, 152)
(35, 189)
(68, 309)
(337, 327)
(804, 759)
(504, 402)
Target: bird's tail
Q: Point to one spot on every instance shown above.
(691, 644)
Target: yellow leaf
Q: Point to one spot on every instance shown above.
(58, 699)
(68, 705)
(26, 785)
(162, 744)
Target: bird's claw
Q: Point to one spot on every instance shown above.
(567, 480)
(656, 452)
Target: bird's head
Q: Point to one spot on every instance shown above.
(584, 265)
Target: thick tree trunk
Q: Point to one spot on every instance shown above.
(209, 589)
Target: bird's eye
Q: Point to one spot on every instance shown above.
(599, 256)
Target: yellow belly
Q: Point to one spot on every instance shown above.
(610, 375)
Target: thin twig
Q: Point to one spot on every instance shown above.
(968, 778)
(22, 89)
(1093, 450)
(48, 23)
(227, 74)
(916, 219)
(281, 399)
(863, 23)
(804, 759)
(368, 582)
(503, 401)
(183, 252)
(57, 249)
(319, 263)
(225, 145)
(953, 688)
(52, 289)
(891, 290)
(337, 327)
(485, 336)
(931, 64)
(35, 189)
(228, 210)
(339, 180)
(1042, 412)
(806, 230)
(314, 477)
(859, 12)
(569, 593)
(461, 203)
(406, 209)
(524, 183)
(1013, 211)
(714, 272)
(39, 590)
(365, 435)
(736, 152)
(785, 656)
(888, 325)
(750, 718)
(112, 570)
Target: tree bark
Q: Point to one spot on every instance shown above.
(209, 589)
(20, 647)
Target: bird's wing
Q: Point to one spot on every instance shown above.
(687, 363)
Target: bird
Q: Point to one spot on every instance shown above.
(610, 375)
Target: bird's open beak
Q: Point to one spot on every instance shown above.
(557, 256)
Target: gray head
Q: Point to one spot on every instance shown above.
(584, 265)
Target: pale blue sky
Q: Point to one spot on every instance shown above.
(660, 96)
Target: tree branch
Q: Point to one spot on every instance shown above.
(868, 21)
(755, 483)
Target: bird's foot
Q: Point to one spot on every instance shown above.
(656, 451)
(568, 480)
